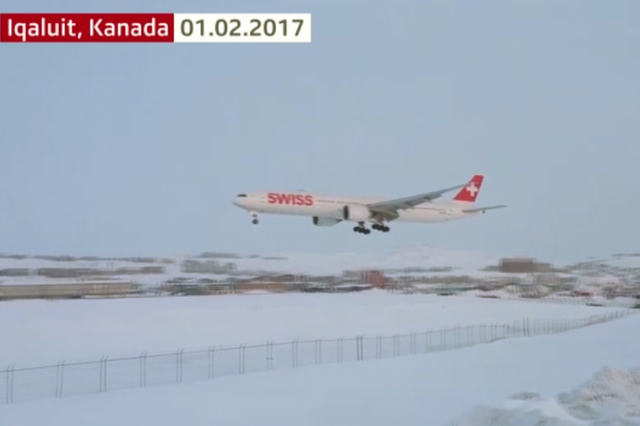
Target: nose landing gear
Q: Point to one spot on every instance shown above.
(255, 220)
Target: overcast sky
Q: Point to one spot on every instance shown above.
(140, 149)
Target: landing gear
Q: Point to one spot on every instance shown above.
(255, 220)
(380, 227)
(361, 229)
(377, 226)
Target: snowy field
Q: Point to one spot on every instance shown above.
(433, 389)
(37, 332)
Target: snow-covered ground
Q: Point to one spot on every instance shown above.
(44, 332)
(432, 389)
(610, 398)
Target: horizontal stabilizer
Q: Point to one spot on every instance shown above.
(482, 209)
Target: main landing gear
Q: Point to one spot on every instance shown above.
(376, 226)
(361, 229)
(380, 227)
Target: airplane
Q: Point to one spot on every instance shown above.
(329, 210)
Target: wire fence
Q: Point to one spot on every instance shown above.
(68, 379)
(617, 302)
(620, 303)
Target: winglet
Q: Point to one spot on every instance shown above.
(470, 192)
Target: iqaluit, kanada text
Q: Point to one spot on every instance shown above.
(91, 28)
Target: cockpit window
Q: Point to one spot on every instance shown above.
(242, 195)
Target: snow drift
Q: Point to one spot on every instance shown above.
(610, 398)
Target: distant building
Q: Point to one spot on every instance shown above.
(68, 272)
(375, 278)
(523, 266)
(207, 267)
(15, 272)
(142, 271)
(279, 283)
(212, 255)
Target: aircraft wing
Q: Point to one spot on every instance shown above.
(482, 209)
(390, 206)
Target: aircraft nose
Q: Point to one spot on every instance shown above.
(240, 201)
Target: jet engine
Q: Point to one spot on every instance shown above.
(325, 221)
(356, 213)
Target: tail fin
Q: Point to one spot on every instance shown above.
(470, 192)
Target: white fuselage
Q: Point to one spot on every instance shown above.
(331, 206)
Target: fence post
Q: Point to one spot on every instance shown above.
(103, 378)
(339, 348)
(104, 371)
(59, 378)
(319, 351)
(241, 358)
(9, 376)
(101, 373)
(210, 360)
(294, 352)
(443, 340)
(378, 346)
(267, 356)
(396, 344)
(143, 370)
(179, 365)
